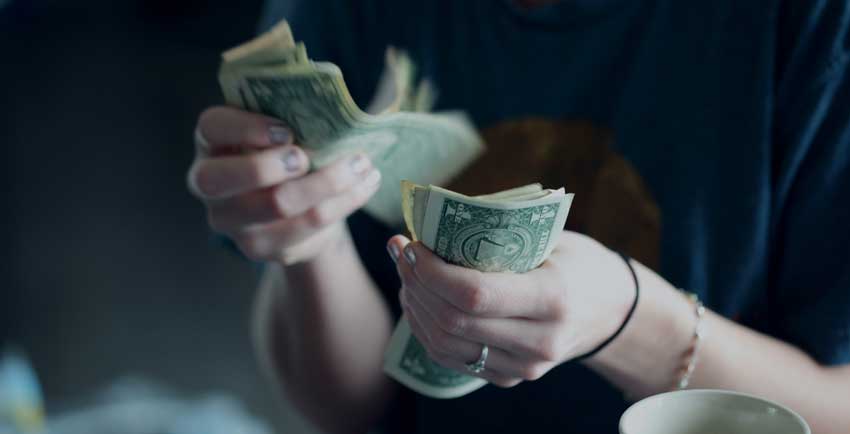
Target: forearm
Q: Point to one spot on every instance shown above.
(321, 328)
(647, 356)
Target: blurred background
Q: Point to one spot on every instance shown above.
(109, 269)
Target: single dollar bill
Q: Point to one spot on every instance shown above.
(273, 75)
(510, 231)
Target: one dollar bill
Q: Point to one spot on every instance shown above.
(272, 74)
(509, 231)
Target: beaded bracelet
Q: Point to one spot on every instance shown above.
(692, 353)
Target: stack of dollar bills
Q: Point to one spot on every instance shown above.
(510, 231)
(273, 75)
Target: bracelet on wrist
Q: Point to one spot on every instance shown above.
(691, 355)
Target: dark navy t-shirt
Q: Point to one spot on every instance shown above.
(709, 139)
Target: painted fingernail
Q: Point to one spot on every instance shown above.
(291, 160)
(359, 164)
(392, 249)
(279, 135)
(409, 255)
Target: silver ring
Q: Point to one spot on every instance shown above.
(477, 366)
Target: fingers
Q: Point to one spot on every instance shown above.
(265, 199)
(340, 184)
(495, 358)
(299, 195)
(519, 336)
(225, 133)
(524, 338)
(227, 176)
(224, 127)
(482, 294)
(265, 241)
(454, 352)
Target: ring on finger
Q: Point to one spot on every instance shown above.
(477, 366)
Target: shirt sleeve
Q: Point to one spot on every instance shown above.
(810, 264)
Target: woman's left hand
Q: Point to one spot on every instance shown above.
(531, 322)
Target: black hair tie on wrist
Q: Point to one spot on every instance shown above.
(604, 344)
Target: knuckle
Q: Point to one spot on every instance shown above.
(318, 216)
(208, 115)
(406, 274)
(547, 348)
(251, 127)
(257, 171)
(474, 298)
(441, 343)
(276, 203)
(284, 200)
(334, 180)
(533, 371)
(203, 179)
(454, 323)
(557, 303)
(424, 276)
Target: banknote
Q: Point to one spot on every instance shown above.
(272, 74)
(510, 231)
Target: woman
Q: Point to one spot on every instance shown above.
(710, 142)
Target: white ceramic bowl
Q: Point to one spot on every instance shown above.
(710, 412)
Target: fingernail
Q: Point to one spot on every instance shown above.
(279, 135)
(409, 255)
(291, 160)
(359, 164)
(373, 179)
(392, 249)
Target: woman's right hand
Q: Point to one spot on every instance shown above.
(255, 185)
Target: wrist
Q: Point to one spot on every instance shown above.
(310, 271)
(318, 249)
(646, 357)
(622, 311)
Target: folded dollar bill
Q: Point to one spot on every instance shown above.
(510, 231)
(272, 74)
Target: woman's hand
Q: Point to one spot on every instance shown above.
(532, 322)
(253, 181)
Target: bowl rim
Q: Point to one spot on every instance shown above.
(716, 392)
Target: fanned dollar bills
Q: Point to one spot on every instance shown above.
(273, 75)
(510, 231)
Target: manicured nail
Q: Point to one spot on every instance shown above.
(392, 249)
(279, 135)
(409, 255)
(359, 164)
(291, 160)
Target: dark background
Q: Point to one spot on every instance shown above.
(109, 266)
